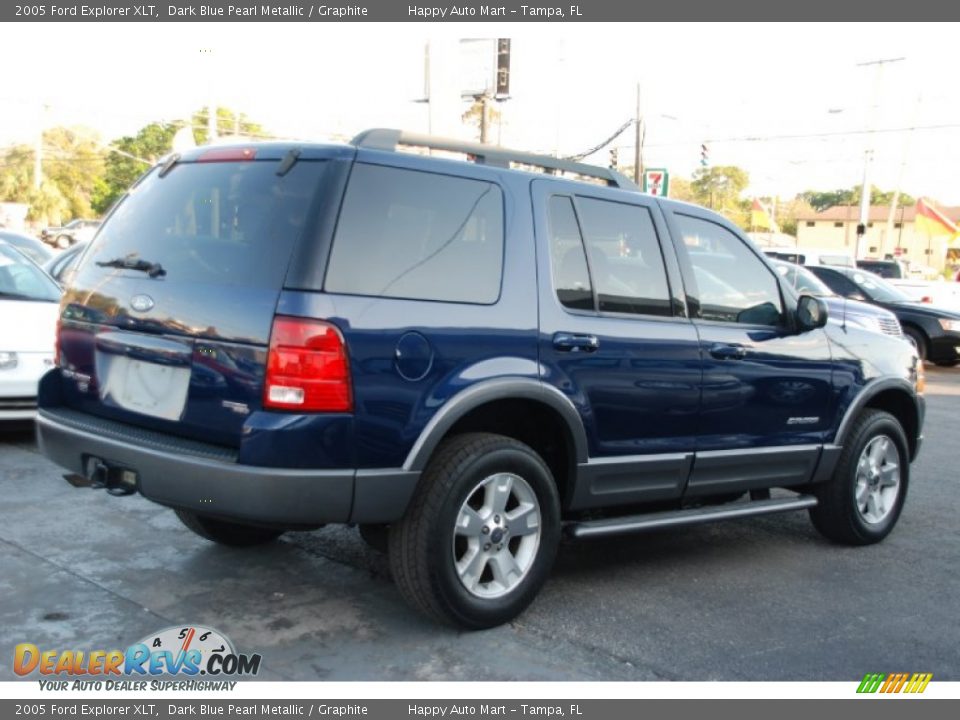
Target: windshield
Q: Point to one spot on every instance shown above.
(876, 288)
(20, 279)
(802, 280)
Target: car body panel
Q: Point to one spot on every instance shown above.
(649, 414)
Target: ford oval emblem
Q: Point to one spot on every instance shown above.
(141, 303)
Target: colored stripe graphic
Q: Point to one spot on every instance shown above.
(894, 683)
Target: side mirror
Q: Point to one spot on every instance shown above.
(857, 296)
(811, 313)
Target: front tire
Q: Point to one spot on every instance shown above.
(63, 242)
(227, 533)
(481, 533)
(861, 503)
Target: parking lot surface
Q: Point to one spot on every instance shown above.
(760, 599)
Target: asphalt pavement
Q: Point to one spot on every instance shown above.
(759, 599)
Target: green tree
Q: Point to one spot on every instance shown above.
(682, 189)
(73, 160)
(129, 157)
(71, 166)
(820, 200)
(228, 123)
(719, 188)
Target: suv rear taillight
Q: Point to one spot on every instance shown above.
(307, 367)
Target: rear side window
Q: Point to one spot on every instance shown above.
(226, 223)
(418, 235)
(606, 256)
(571, 277)
(625, 259)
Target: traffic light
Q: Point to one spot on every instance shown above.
(704, 155)
(613, 158)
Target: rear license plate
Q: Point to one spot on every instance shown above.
(143, 387)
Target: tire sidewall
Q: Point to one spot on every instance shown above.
(881, 425)
(470, 609)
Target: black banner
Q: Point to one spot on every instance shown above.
(552, 11)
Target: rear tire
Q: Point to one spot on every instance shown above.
(861, 503)
(227, 533)
(481, 533)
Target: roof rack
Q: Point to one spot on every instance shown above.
(388, 139)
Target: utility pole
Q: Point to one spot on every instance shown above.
(868, 153)
(482, 99)
(638, 151)
(903, 167)
(38, 149)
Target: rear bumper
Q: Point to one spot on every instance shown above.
(190, 479)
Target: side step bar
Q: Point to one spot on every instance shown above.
(692, 516)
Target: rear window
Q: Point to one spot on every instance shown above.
(229, 223)
(418, 235)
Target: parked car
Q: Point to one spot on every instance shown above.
(29, 246)
(934, 331)
(466, 359)
(73, 232)
(811, 256)
(839, 310)
(61, 266)
(29, 306)
(889, 269)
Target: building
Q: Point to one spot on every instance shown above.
(836, 229)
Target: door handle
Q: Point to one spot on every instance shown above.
(571, 342)
(723, 351)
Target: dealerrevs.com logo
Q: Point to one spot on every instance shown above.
(889, 683)
(178, 651)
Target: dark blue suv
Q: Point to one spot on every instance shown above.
(466, 359)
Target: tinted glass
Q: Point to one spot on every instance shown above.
(20, 279)
(570, 275)
(625, 260)
(734, 284)
(802, 280)
(836, 281)
(877, 288)
(229, 223)
(409, 234)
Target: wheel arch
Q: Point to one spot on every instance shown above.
(893, 395)
(522, 408)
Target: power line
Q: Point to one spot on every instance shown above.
(814, 136)
(601, 146)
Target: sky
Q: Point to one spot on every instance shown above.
(790, 103)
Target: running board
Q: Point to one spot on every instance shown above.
(692, 516)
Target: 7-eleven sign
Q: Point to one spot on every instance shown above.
(656, 181)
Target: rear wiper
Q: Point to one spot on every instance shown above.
(154, 270)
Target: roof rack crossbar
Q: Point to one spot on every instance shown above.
(388, 139)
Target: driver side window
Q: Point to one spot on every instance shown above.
(733, 284)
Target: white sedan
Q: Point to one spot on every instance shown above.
(29, 307)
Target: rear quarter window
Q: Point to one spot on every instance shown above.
(418, 235)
